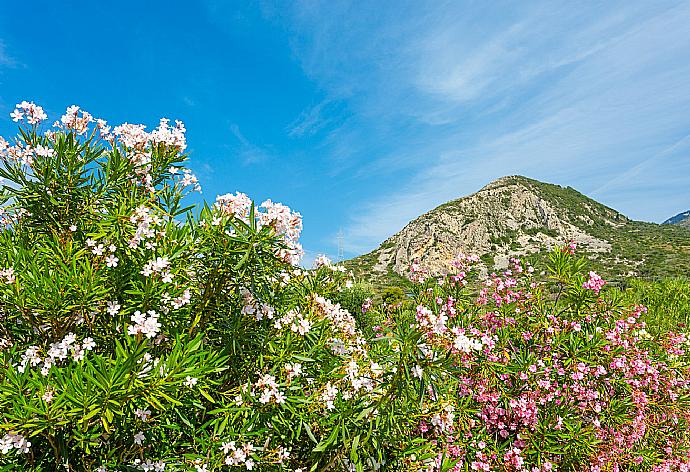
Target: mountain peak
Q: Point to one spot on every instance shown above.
(508, 179)
(682, 219)
(515, 216)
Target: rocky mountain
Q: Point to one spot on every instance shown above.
(682, 219)
(517, 216)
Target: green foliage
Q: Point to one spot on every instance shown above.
(352, 298)
(667, 302)
(392, 295)
(141, 334)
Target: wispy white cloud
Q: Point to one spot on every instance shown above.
(249, 152)
(682, 146)
(5, 58)
(588, 94)
(309, 121)
(6, 61)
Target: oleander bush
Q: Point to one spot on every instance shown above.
(140, 333)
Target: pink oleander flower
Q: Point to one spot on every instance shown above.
(594, 283)
(570, 248)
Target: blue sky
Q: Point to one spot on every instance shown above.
(363, 115)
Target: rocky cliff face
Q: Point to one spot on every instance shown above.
(511, 216)
(515, 216)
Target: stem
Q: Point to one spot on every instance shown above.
(56, 449)
(558, 297)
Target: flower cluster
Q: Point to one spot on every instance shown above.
(237, 205)
(135, 137)
(295, 320)
(159, 266)
(14, 441)
(594, 282)
(172, 136)
(147, 324)
(7, 275)
(322, 261)
(418, 274)
(341, 320)
(463, 263)
(146, 223)
(29, 111)
(269, 390)
(77, 120)
(57, 352)
(251, 306)
(150, 466)
(329, 395)
(188, 179)
(238, 456)
(24, 153)
(184, 299)
(570, 248)
(293, 370)
(285, 223)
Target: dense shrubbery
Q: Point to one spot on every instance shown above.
(667, 302)
(138, 334)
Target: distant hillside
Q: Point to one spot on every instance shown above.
(682, 219)
(517, 216)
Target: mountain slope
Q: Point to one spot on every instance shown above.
(517, 216)
(682, 219)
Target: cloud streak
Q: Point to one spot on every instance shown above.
(309, 121)
(249, 152)
(5, 59)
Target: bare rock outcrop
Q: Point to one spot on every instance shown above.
(511, 216)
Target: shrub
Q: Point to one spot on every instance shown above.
(540, 375)
(354, 296)
(392, 295)
(667, 302)
(139, 333)
(133, 329)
